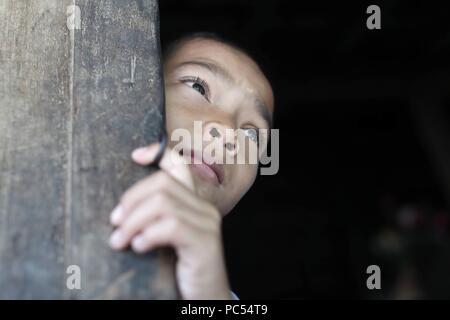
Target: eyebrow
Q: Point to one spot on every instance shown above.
(212, 67)
(262, 108)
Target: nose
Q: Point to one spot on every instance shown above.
(223, 135)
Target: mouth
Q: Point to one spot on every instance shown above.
(205, 168)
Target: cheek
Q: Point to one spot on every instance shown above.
(181, 109)
(243, 178)
(178, 115)
(247, 175)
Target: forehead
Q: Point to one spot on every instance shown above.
(245, 72)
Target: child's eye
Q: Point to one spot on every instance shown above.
(198, 85)
(199, 88)
(252, 134)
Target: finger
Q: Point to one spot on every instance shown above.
(145, 214)
(165, 232)
(160, 181)
(171, 161)
(146, 155)
(134, 196)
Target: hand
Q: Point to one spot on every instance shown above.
(164, 210)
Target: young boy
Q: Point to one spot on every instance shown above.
(208, 80)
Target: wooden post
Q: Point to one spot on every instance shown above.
(80, 87)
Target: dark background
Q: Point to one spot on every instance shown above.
(364, 147)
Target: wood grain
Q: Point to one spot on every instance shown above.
(73, 105)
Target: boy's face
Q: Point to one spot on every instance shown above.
(222, 87)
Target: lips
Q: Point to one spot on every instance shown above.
(213, 172)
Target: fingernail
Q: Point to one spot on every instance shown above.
(138, 243)
(116, 240)
(140, 152)
(116, 215)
